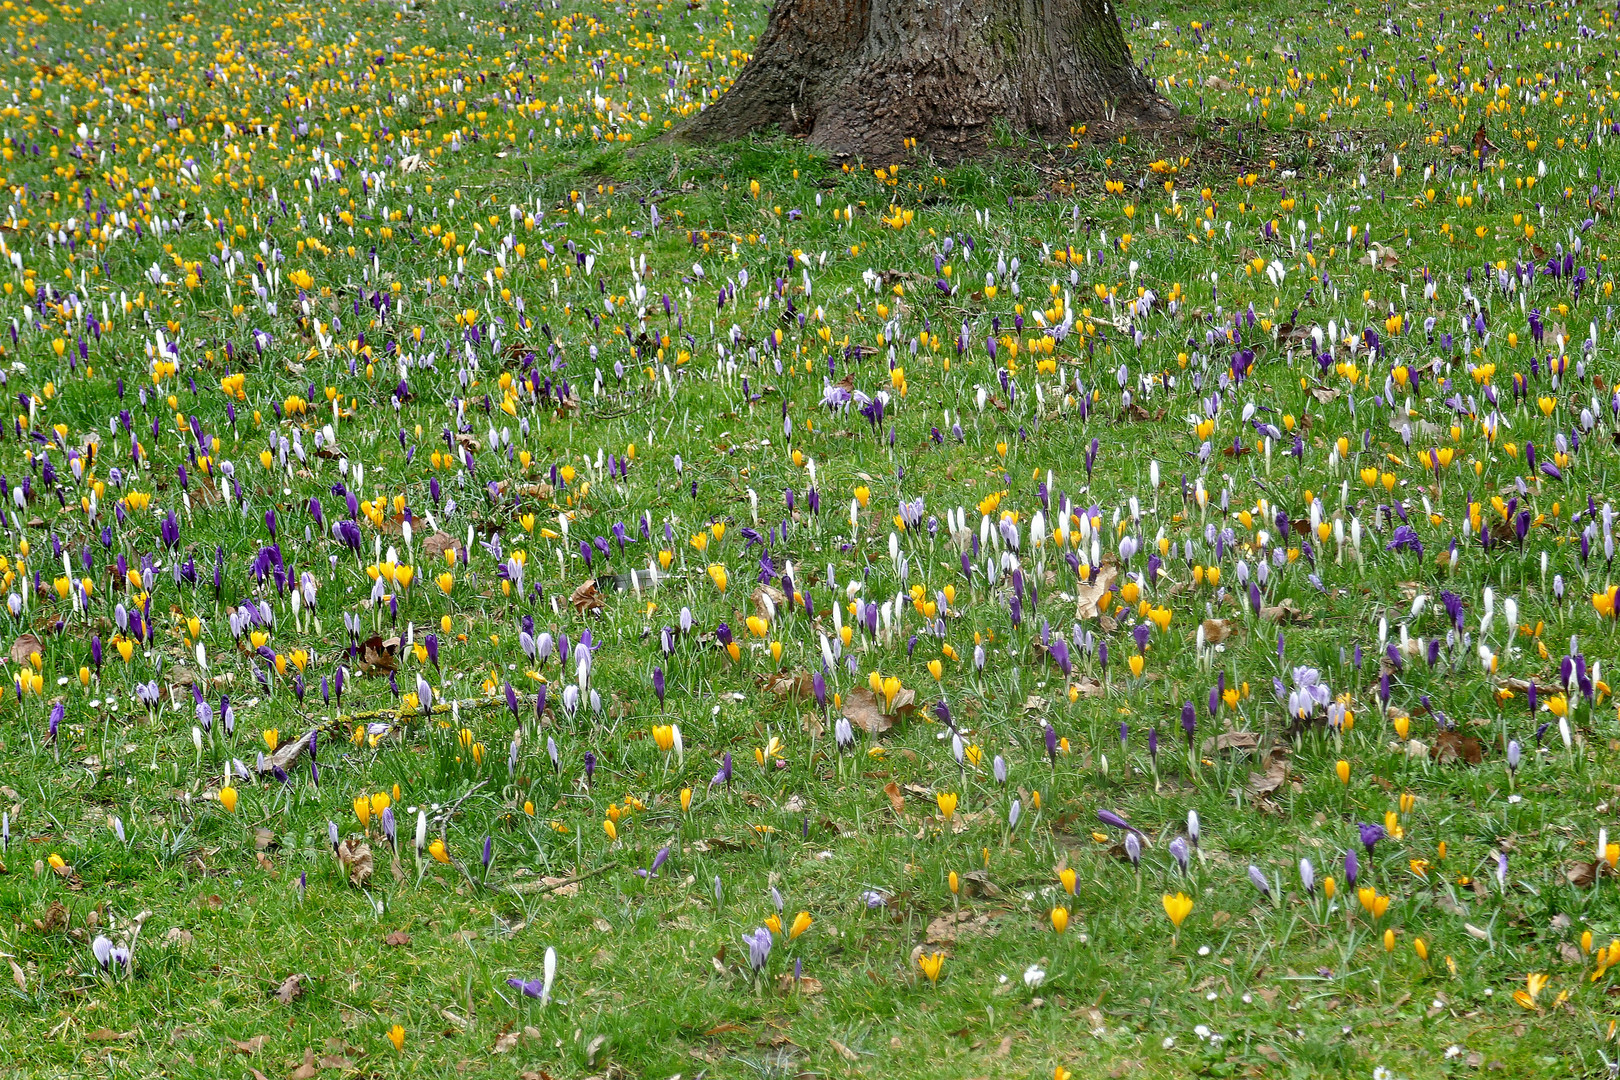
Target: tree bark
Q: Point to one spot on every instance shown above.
(859, 77)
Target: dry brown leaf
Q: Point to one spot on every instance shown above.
(897, 801)
(397, 938)
(355, 855)
(1232, 740)
(1452, 746)
(587, 597)
(1285, 612)
(250, 1046)
(336, 1061)
(763, 592)
(19, 976)
(1380, 257)
(107, 1035)
(306, 1071)
(1261, 785)
(843, 1051)
(1215, 82)
(1582, 875)
(977, 883)
(1091, 592)
(862, 709)
(1218, 630)
(804, 984)
(436, 545)
(505, 1043)
(25, 646)
(290, 989)
(55, 916)
(785, 684)
(377, 656)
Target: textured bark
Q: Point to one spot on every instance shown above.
(859, 77)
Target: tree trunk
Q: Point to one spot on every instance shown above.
(859, 77)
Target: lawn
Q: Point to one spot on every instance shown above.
(488, 590)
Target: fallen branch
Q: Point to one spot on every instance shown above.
(288, 754)
(537, 888)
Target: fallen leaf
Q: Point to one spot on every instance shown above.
(1285, 612)
(377, 655)
(250, 1046)
(336, 1061)
(1380, 257)
(1582, 875)
(55, 915)
(843, 1051)
(436, 545)
(977, 883)
(784, 684)
(25, 646)
(804, 984)
(896, 800)
(397, 938)
(587, 597)
(1087, 595)
(1089, 687)
(1450, 746)
(861, 709)
(306, 1071)
(1232, 740)
(290, 989)
(776, 597)
(1260, 785)
(107, 1035)
(355, 854)
(506, 1043)
(1218, 630)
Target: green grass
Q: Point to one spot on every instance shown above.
(653, 976)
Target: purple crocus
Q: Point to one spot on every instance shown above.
(532, 988)
(759, 947)
(1180, 852)
(1114, 821)
(658, 860)
(723, 776)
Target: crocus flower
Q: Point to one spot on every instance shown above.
(759, 948)
(1180, 852)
